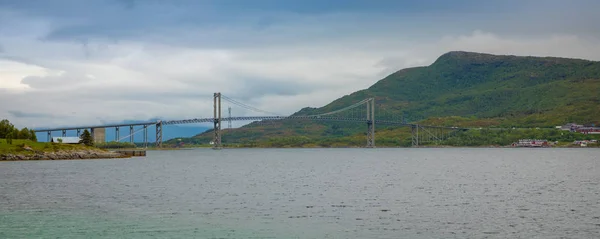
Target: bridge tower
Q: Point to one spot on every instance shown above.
(217, 120)
(146, 136)
(371, 123)
(229, 121)
(159, 134)
(415, 135)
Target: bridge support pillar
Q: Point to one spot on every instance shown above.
(415, 135)
(117, 134)
(49, 136)
(217, 121)
(131, 134)
(371, 123)
(78, 132)
(229, 119)
(159, 134)
(145, 136)
(64, 133)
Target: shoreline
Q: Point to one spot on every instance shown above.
(99, 154)
(391, 147)
(62, 155)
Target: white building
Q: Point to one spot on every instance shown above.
(65, 140)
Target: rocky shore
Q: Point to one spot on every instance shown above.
(62, 155)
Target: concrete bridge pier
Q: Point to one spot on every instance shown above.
(98, 135)
(145, 136)
(131, 132)
(159, 134)
(217, 121)
(371, 123)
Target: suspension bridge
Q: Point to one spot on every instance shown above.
(360, 112)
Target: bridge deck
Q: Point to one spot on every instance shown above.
(243, 118)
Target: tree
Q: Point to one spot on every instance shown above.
(24, 134)
(59, 140)
(15, 133)
(32, 135)
(9, 138)
(5, 128)
(86, 138)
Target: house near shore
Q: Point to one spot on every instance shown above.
(584, 143)
(65, 140)
(531, 143)
(579, 128)
(588, 130)
(569, 127)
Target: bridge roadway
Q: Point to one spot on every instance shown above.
(438, 130)
(241, 118)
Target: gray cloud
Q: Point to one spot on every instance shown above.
(249, 87)
(64, 80)
(21, 114)
(93, 62)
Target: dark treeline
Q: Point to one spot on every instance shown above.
(9, 131)
(483, 137)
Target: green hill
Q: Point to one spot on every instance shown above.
(461, 89)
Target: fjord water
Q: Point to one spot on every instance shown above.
(307, 193)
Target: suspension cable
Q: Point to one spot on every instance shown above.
(342, 109)
(245, 106)
(235, 102)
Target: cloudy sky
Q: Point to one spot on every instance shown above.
(72, 62)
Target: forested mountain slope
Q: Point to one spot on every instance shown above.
(465, 88)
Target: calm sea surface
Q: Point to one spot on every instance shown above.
(307, 193)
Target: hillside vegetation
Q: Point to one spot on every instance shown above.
(458, 89)
(525, 91)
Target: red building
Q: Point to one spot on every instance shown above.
(588, 130)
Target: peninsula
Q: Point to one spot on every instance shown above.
(22, 144)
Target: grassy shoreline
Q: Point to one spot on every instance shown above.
(30, 147)
(23, 150)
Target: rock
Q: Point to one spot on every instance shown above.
(51, 156)
(8, 157)
(80, 154)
